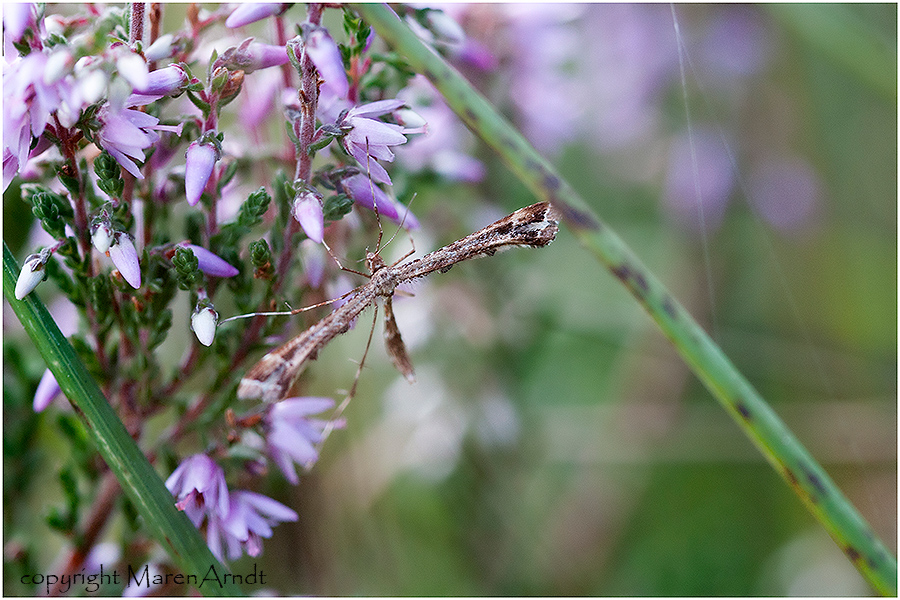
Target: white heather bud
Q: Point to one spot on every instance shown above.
(203, 322)
(160, 49)
(102, 238)
(32, 273)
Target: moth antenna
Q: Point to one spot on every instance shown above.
(374, 199)
(288, 313)
(411, 241)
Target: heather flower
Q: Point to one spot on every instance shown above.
(250, 13)
(250, 517)
(59, 64)
(199, 162)
(203, 324)
(367, 194)
(307, 210)
(163, 82)
(17, 17)
(133, 68)
(125, 133)
(47, 390)
(160, 49)
(28, 104)
(325, 54)
(210, 263)
(263, 56)
(125, 257)
(292, 435)
(368, 139)
(32, 274)
(199, 485)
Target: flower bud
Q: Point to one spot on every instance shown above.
(263, 56)
(307, 210)
(125, 257)
(250, 13)
(203, 323)
(160, 49)
(199, 162)
(134, 69)
(102, 236)
(32, 273)
(46, 391)
(210, 263)
(165, 81)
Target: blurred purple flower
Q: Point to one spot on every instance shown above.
(132, 67)
(699, 178)
(17, 17)
(250, 517)
(125, 257)
(200, 159)
(369, 139)
(442, 147)
(258, 102)
(313, 257)
(474, 53)
(199, 485)
(784, 192)
(307, 210)
(250, 13)
(339, 288)
(361, 190)
(291, 435)
(736, 43)
(210, 263)
(47, 391)
(160, 49)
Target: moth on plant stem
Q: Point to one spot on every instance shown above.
(271, 378)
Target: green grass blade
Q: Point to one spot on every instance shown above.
(136, 476)
(760, 423)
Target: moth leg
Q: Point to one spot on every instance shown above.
(396, 349)
(338, 262)
(352, 393)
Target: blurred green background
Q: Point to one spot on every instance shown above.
(554, 443)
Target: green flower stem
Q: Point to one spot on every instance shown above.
(154, 503)
(808, 480)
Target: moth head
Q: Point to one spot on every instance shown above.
(374, 262)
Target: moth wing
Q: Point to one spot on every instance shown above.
(393, 342)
